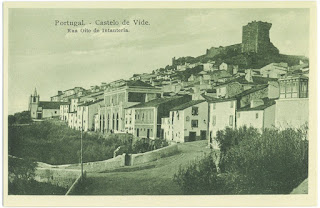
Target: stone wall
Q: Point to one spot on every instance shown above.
(141, 158)
(65, 175)
(100, 166)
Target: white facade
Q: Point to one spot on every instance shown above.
(222, 91)
(187, 124)
(223, 66)
(208, 67)
(222, 115)
(64, 110)
(292, 112)
(260, 119)
(274, 70)
(72, 121)
(129, 120)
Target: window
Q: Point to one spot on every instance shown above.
(172, 117)
(187, 118)
(213, 106)
(194, 123)
(231, 120)
(231, 104)
(257, 115)
(195, 111)
(214, 118)
(177, 115)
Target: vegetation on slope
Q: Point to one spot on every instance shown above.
(21, 180)
(54, 143)
(273, 162)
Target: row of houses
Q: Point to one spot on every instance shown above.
(262, 106)
(138, 108)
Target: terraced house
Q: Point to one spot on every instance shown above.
(144, 119)
(112, 112)
(186, 122)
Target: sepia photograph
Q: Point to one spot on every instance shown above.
(160, 99)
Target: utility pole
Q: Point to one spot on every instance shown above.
(81, 148)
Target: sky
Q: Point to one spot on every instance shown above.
(44, 56)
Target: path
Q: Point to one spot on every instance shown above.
(153, 178)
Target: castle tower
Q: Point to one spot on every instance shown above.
(256, 39)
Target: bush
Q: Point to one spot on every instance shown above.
(145, 145)
(57, 144)
(21, 169)
(20, 118)
(273, 162)
(54, 143)
(200, 177)
(21, 179)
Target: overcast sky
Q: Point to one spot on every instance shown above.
(45, 56)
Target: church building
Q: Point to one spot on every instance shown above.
(43, 109)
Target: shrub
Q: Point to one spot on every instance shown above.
(54, 143)
(20, 118)
(273, 162)
(200, 177)
(21, 179)
(141, 145)
(21, 169)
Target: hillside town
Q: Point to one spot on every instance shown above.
(192, 98)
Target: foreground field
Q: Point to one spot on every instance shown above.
(154, 178)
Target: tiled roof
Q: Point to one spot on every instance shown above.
(251, 90)
(51, 105)
(187, 105)
(136, 83)
(256, 81)
(267, 103)
(91, 102)
(217, 100)
(155, 102)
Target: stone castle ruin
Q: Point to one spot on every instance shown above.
(256, 39)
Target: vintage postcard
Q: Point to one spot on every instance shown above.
(160, 104)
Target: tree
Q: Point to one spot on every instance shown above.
(21, 169)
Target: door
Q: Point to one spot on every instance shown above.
(148, 133)
(203, 135)
(192, 136)
(39, 115)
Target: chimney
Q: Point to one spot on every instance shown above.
(248, 75)
(256, 102)
(59, 92)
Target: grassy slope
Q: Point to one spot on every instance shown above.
(54, 143)
(154, 178)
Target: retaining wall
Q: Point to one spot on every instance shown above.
(100, 166)
(66, 175)
(141, 158)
